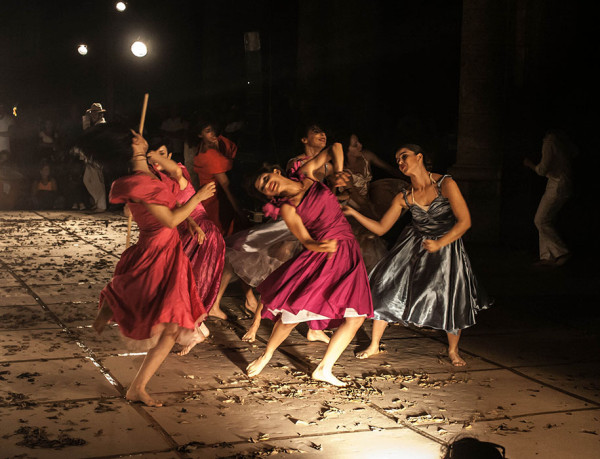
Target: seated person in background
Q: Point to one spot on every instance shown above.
(44, 189)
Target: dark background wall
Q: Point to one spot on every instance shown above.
(388, 70)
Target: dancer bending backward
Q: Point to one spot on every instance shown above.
(201, 239)
(152, 295)
(253, 254)
(327, 282)
(426, 279)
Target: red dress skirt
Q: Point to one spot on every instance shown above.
(153, 284)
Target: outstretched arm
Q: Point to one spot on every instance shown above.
(296, 226)
(377, 161)
(387, 221)
(463, 218)
(334, 153)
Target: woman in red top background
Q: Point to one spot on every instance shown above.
(212, 162)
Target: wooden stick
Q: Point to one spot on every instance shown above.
(143, 118)
(141, 132)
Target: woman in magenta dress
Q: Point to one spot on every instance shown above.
(326, 284)
(201, 239)
(152, 295)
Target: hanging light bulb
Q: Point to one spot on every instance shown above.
(82, 49)
(139, 49)
(121, 6)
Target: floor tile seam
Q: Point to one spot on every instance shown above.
(78, 236)
(92, 357)
(523, 375)
(405, 424)
(506, 417)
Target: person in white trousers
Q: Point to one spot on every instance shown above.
(555, 165)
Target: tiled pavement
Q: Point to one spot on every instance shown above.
(531, 384)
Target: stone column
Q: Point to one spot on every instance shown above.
(482, 105)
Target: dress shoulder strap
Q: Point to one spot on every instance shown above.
(405, 194)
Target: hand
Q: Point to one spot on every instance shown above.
(528, 163)
(341, 179)
(327, 245)
(153, 157)
(431, 246)
(207, 191)
(349, 211)
(138, 144)
(196, 232)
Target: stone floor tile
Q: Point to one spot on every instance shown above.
(534, 347)
(110, 427)
(55, 380)
(231, 415)
(37, 344)
(582, 379)
(25, 318)
(389, 444)
(16, 295)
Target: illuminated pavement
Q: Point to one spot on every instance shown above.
(531, 384)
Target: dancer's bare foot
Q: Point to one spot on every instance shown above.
(140, 395)
(216, 311)
(251, 304)
(326, 376)
(257, 366)
(317, 335)
(250, 335)
(102, 319)
(369, 352)
(456, 359)
(202, 334)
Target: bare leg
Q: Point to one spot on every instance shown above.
(379, 327)
(339, 342)
(251, 301)
(215, 310)
(154, 358)
(103, 317)
(280, 332)
(250, 335)
(455, 358)
(317, 335)
(202, 334)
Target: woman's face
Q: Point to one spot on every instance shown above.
(45, 172)
(161, 151)
(315, 138)
(208, 135)
(407, 160)
(354, 146)
(271, 184)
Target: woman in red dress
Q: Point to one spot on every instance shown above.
(201, 239)
(212, 162)
(152, 295)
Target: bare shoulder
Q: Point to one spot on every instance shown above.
(399, 200)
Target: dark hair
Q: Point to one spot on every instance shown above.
(156, 142)
(198, 126)
(250, 180)
(416, 149)
(110, 145)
